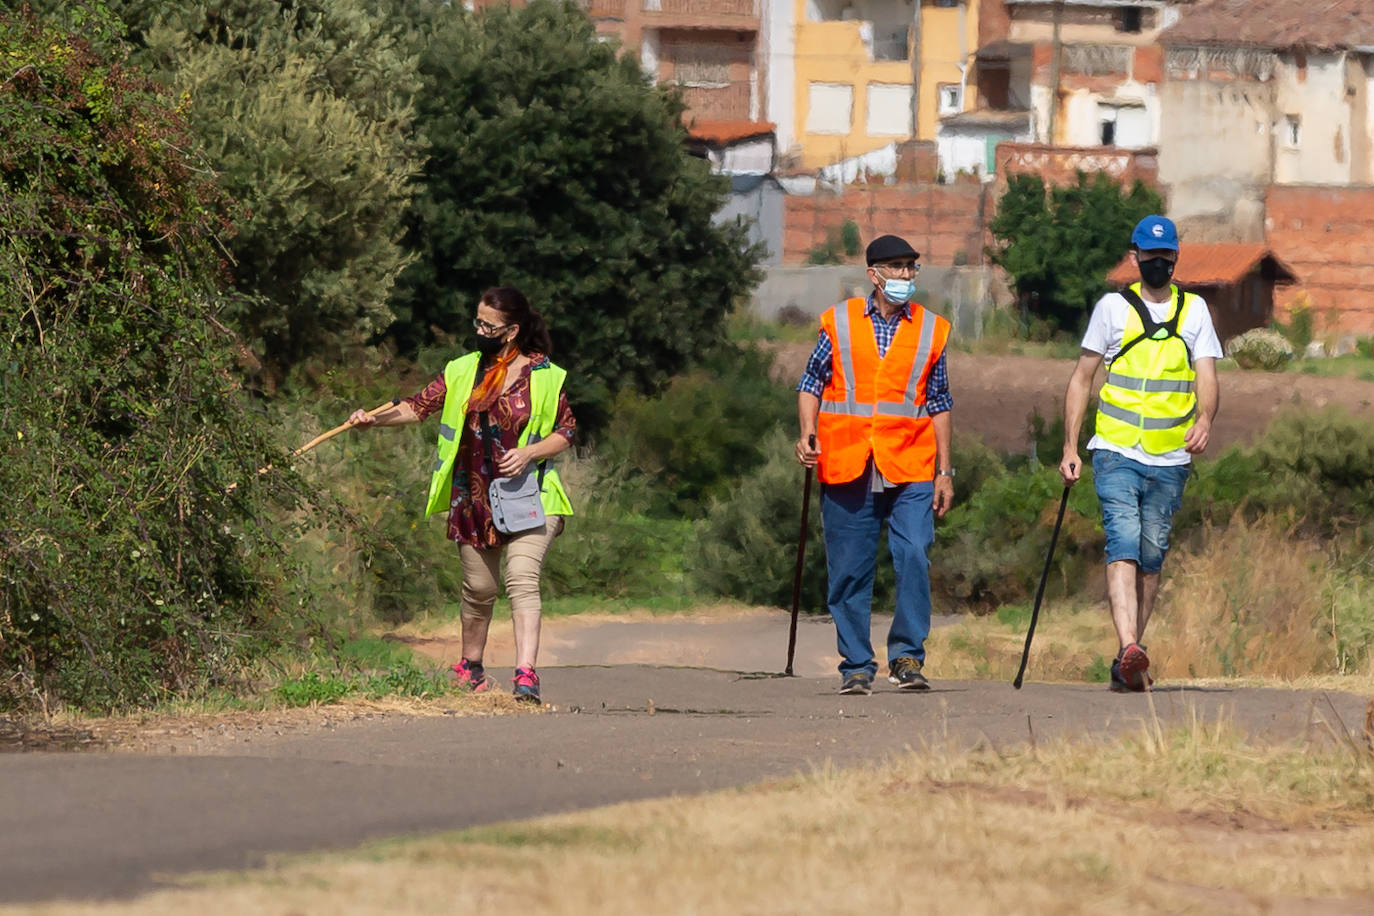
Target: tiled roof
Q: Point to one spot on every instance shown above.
(1210, 264)
(1316, 24)
(728, 131)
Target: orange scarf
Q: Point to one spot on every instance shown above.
(493, 382)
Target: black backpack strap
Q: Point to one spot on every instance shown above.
(1147, 321)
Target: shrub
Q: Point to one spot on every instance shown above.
(128, 573)
(990, 550)
(695, 440)
(1260, 348)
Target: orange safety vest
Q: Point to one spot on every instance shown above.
(877, 404)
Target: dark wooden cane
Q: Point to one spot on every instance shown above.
(1040, 592)
(801, 556)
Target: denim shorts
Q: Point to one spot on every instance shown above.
(1138, 506)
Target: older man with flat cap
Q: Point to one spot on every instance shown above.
(874, 409)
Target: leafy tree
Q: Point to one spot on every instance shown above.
(556, 167)
(303, 109)
(1058, 245)
(126, 572)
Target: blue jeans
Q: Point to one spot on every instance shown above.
(1138, 506)
(853, 516)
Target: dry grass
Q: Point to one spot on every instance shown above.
(1258, 599)
(1189, 821)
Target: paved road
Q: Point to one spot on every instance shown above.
(94, 825)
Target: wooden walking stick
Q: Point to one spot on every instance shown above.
(801, 556)
(1039, 592)
(324, 437)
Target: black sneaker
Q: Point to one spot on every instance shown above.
(860, 682)
(1118, 684)
(905, 672)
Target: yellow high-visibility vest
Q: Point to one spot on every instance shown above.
(459, 377)
(1149, 398)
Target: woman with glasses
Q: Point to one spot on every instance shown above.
(504, 413)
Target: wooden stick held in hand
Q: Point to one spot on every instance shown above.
(325, 437)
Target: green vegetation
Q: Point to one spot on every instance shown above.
(1058, 244)
(128, 572)
(572, 183)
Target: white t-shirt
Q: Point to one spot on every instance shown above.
(1108, 324)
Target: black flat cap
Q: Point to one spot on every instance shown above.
(889, 248)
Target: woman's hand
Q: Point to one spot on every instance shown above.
(514, 462)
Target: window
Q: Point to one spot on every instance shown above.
(1108, 132)
(946, 4)
(889, 110)
(1130, 19)
(951, 98)
(1292, 131)
(829, 108)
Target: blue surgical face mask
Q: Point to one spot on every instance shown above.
(898, 291)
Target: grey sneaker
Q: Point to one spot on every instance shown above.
(860, 682)
(905, 672)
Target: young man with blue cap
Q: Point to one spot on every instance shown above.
(874, 409)
(1154, 414)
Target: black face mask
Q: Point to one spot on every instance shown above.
(490, 346)
(1156, 272)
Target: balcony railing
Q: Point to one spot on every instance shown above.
(703, 7)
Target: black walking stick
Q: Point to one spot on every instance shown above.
(1040, 592)
(801, 555)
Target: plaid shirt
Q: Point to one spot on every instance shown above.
(819, 367)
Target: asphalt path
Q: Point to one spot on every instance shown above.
(103, 825)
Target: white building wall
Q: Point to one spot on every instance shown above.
(780, 44)
(1316, 96)
(1215, 155)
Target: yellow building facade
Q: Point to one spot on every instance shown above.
(852, 73)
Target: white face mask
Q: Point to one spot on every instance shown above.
(898, 291)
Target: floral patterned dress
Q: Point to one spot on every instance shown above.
(469, 517)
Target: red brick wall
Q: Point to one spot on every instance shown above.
(1059, 165)
(1326, 235)
(945, 223)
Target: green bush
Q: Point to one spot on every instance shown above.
(990, 550)
(696, 440)
(746, 547)
(129, 570)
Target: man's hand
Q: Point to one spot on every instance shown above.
(1070, 468)
(944, 495)
(361, 418)
(807, 454)
(1195, 439)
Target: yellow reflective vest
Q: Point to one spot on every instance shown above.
(1149, 399)
(459, 376)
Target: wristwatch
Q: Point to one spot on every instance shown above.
(949, 473)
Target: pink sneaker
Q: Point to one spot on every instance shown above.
(526, 685)
(470, 675)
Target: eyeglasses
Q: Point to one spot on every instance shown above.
(910, 267)
(486, 328)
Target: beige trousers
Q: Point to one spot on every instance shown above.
(524, 561)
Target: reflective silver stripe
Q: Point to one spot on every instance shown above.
(842, 342)
(438, 465)
(847, 408)
(447, 432)
(922, 356)
(894, 409)
(1131, 383)
(1135, 419)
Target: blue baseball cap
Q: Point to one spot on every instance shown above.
(1155, 233)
